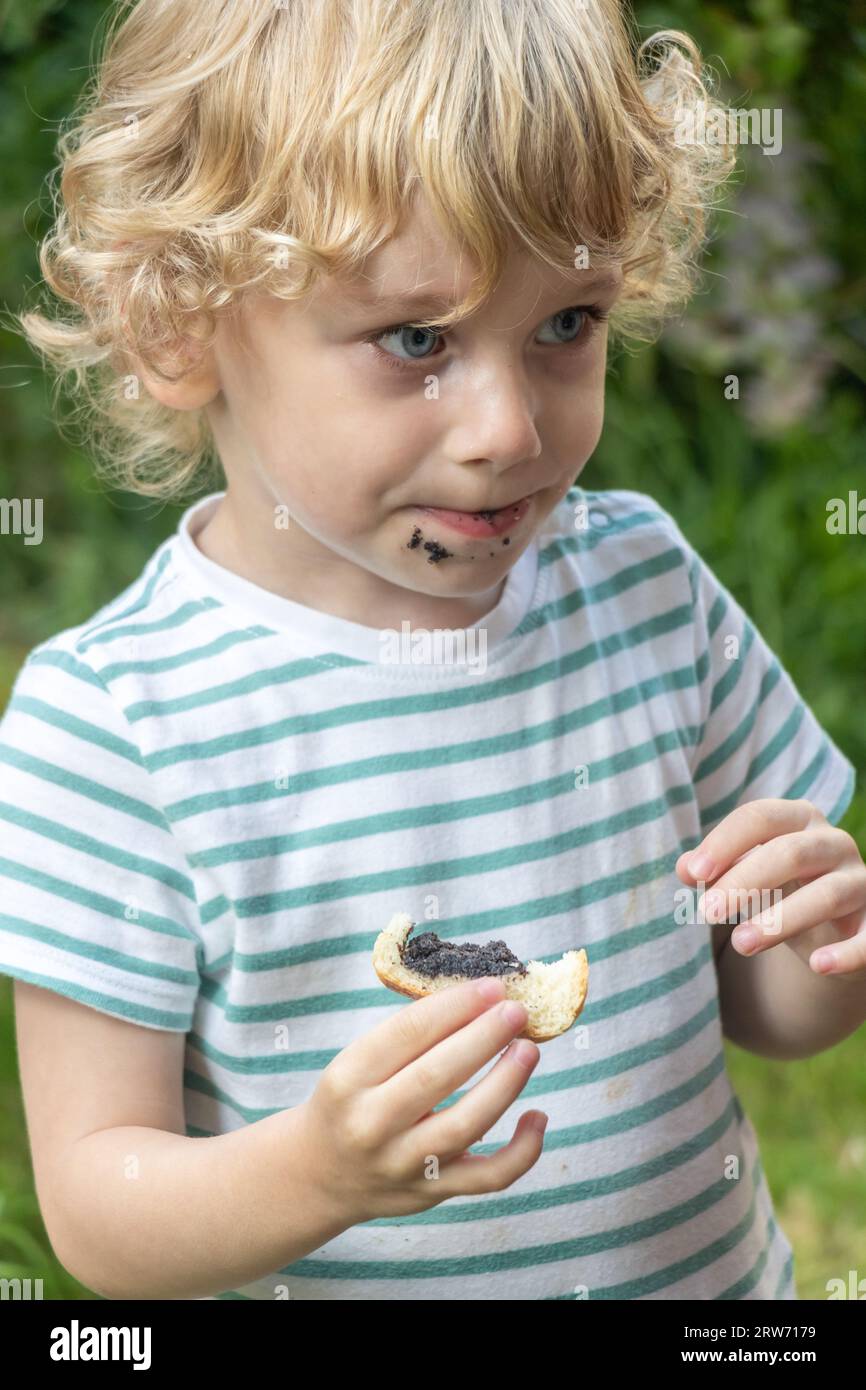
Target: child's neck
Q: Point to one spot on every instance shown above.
(308, 573)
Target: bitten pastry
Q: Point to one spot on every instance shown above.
(552, 994)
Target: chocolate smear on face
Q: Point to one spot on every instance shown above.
(436, 551)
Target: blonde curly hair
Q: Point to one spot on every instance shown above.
(222, 146)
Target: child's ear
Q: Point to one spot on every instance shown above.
(197, 388)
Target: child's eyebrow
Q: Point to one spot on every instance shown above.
(428, 302)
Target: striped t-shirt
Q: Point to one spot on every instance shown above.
(212, 799)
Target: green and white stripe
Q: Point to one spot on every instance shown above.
(212, 800)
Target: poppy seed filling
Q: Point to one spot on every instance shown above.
(429, 956)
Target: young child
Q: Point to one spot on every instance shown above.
(363, 256)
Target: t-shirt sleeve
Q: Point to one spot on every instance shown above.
(96, 897)
(756, 736)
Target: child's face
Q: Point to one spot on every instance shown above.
(506, 405)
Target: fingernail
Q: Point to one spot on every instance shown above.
(745, 938)
(524, 1053)
(701, 866)
(823, 960)
(539, 1122)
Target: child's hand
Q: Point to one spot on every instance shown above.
(776, 843)
(370, 1137)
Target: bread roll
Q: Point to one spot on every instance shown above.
(553, 994)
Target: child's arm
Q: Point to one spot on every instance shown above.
(134, 1208)
(772, 1001)
(774, 1005)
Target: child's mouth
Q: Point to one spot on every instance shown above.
(484, 523)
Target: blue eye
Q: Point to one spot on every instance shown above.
(570, 314)
(411, 336)
(408, 335)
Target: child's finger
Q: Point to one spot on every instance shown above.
(813, 852)
(742, 830)
(848, 955)
(473, 1174)
(413, 1030)
(826, 899)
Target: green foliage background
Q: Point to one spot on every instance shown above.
(782, 306)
